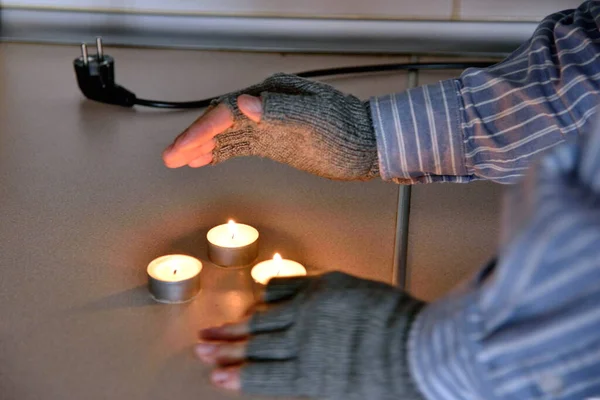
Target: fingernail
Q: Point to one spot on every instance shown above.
(254, 105)
(229, 384)
(205, 349)
(220, 377)
(251, 106)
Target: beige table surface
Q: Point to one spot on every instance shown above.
(85, 204)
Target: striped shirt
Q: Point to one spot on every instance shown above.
(527, 326)
(489, 123)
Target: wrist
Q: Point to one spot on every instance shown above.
(419, 135)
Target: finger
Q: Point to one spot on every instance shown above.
(276, 317)
(222, 353)
(279, 289)
(227, 378)
(179, 158)
(205, 128)
(251, 106)
(201, 161)
(278, 345)
(232, 331)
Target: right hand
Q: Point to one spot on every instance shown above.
(331, 336)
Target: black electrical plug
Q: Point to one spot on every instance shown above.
(96, 78)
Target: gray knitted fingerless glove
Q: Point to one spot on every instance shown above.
(332, 336)
(308, 125)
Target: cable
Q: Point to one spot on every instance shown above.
(96, 78)
(174, 104)
(392, 67)
(326, 72)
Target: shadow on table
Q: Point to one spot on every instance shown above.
(130, 298)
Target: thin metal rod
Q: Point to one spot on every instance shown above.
(100, 52)
(400, 266)
(84, 53)
(401, 247)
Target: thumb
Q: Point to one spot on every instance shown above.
(251, 106)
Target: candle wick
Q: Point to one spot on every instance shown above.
(278, 271)
(232, 236)
(175, 272)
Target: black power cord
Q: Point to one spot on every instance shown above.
(96, 78)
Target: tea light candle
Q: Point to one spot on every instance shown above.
(277, 267)
(174, 278)
(232, 244)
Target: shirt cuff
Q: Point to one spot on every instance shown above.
(419, 138)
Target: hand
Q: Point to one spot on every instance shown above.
(225, 347)
(308, 125)
(194, 147)
(333, 336)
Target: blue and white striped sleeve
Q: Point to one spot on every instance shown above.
(489, 123)
(526, 327)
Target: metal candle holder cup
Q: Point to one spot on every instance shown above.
(174, 278)
(232, 245)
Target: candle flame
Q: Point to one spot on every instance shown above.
(232, 228)
(277, 258)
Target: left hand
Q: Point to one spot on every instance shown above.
(306, 124)
(225, 348)
(333, 335)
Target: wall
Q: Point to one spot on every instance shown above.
(506, 10)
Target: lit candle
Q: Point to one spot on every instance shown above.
(232, 244)
(277, 267)
(174, 278)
